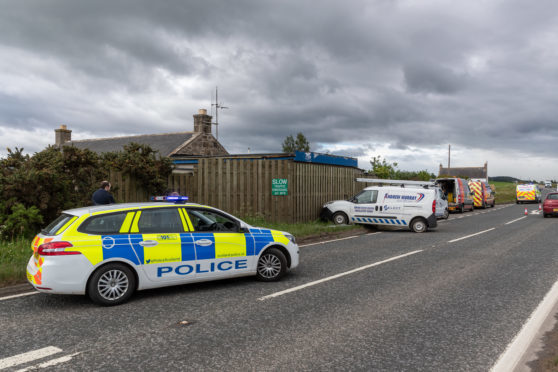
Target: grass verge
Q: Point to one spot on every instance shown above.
(14, 255)
(302, 230)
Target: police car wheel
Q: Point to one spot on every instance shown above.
(340, 218)
(272, 265)
(111, 284)
(418, 225)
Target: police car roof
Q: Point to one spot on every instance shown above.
(122, 206)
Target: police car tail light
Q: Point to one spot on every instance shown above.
(434, 206)
(56, 249)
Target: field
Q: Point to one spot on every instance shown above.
(505, 192)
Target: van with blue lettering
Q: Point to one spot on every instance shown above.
(406, 207)
(110, 251)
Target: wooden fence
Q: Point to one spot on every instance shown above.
(243, 187)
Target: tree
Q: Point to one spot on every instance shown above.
(382, 169)
(290, 144)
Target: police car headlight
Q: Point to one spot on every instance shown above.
(291, 238)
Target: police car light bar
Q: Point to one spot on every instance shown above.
(177, 199)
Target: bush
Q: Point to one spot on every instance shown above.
(21, 222)
(37, 188)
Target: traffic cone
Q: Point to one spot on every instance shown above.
(540, 207)
(526, 213)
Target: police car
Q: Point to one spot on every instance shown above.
(108, 252)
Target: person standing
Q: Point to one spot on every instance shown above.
(102, 195)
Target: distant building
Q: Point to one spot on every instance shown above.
(199, 143)
(476, 173)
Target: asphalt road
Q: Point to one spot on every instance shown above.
(404, 302)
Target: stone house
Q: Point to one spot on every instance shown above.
(477, 173)
(180, 145)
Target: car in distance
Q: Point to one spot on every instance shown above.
(550, 205)
(108, 252)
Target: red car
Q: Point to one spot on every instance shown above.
(550, 204)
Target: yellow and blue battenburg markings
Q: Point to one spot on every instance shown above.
(177, 247)
(387, 221)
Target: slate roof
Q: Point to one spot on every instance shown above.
(166, 143)
(466, 172)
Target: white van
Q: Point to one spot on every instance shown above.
(414, 208)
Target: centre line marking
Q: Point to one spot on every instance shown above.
(28, 356)
(328, 241)
(294, 289)
(468, 236)
(517, 219)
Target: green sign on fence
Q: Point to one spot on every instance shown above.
(280, 186)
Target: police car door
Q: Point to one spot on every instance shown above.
(364, 207)
(222, 249)
(158, 242)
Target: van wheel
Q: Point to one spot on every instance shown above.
(419, 225)
(340, 218)
(112, 284)
(446, 214)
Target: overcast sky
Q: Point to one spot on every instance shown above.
(399, 79)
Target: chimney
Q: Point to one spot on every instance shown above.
(202, 122)
(62, 135)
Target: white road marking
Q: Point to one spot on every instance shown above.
(517, 219)
(518, 346)
(335, 240)
(50, 363)
(28, 356)
(535, 212)
(18, 295)
(468, 236)
(277, 294)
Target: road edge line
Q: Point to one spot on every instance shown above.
(18, 295)
(517, 348)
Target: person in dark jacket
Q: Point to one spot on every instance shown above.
(103, 196)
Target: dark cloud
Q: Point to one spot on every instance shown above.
(398, 75)
(430, 78)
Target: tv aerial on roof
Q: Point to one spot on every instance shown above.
(218, 106)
